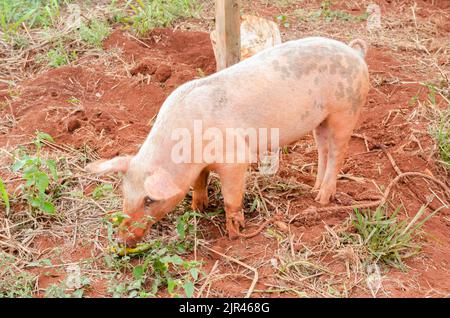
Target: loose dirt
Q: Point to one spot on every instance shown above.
(108, 102)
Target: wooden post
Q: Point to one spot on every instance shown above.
(228, 23)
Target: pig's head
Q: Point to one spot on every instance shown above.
(148, 194)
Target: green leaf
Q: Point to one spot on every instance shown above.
(19, 165)
(5, 196)
(181, 229)
(171, 285)
(51, 164)
(42, 181)
(174, 259)
(138, 272)
(35, 202)
(47, 207)
(78, 293)
(189, 289)
(44, 136)
(194, 273)
(102, 191)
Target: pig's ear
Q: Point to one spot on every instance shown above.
(160, 185)
(117, 164)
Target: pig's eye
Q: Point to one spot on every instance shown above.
(148, 201)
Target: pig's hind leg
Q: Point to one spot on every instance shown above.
(340, 127)
(232, 178)
(200, 193)
(321, 138)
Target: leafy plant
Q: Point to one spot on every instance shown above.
(94, 33)
(102, 191)
(184, 226)
(385, 237)
(282, 19)
(14, 283)
(33, 13)
(60, 290)
(149, 14)
(37, 173)
(161, 266)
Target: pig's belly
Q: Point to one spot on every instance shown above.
(292, 118)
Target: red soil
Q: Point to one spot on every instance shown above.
(113, 110)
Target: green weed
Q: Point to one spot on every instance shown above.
(161, 267)
(34, 13)
(5, 197)
(149, 14)
(94, 33)
(385, 237)
(37, 173)
(326, 13)
(14, 283)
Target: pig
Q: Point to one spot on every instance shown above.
(312, 84)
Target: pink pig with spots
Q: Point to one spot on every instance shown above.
(312, 84)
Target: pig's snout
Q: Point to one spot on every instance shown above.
(131, 231)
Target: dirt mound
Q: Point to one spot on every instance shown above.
(107, 103)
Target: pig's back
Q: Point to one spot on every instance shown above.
(292, 86)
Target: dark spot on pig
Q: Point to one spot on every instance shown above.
(333, 68)
(349, 92)
(276, 65)
(316, 80)
(318, 104)
(285, 71)
(340, 91)
(309, 91)
(356, 98)
(323, 68)
(304, 115)
(220, 98)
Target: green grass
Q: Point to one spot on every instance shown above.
(149, 14)
(34, 13)
(94, 33)
(441, 132)
(439, 127)
(327, 14)
(14, 283)
(4, 196)
(385, 237)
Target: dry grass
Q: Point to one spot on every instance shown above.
(331, 267)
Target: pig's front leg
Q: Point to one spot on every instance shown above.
(200, 193)
(232, 178)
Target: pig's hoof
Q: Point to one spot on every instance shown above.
(199, 202)
(234, 223)
(322, 198)
(233, 235)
